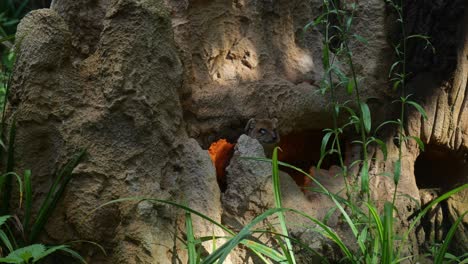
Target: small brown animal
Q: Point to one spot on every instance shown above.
(265, 131)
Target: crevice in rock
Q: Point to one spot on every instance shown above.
(438, 167)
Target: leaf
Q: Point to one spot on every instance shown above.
(387, 246)
(366, 116)
(49, 251)
(6, 241)
(392, 68)
(329, 214)
(277, 194)
(443, 249)
(339, 73)
(378, 222)
(326, 57)
(349, 21)
(396, 84)
(265, 250)
(383, 147)
(325, 140)
(360, 39)
(192, 252)
(11, 260)
(74, 254)
(222, 252)
(419, 141)
(386, 123)
(426, 209)
(350, 87)
(419, 108)
(365, 177)
(28, 252)
(3, 219)
(54, 194)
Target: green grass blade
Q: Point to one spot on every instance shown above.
(302, 245)
(264, 250)
(89, 242)
(74, 254)
(325, 140)
(375, 250)
(425, 210)
(3, 219)
(366, 116)
(419, 108)
(378, 222)
(245, 232)
(325, 191)
(284, 247)
(54, 194)
(28, 201)
(443, 249)
(365, 177)
(6, 241)
(387, 247)
(383, 147)
(192, 251)
(329, 233)
(277, 192)
(418, 141)
(48, 251)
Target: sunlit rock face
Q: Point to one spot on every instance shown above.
(254, 58)
(146, 86)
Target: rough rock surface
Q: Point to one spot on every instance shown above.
(121, 104)
(252, 58)
(146, 85)
(250, 193)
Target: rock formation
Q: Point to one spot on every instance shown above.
(146, 86)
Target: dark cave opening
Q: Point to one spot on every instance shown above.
(438, 167)
(302, 150)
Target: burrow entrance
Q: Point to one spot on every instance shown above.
(300, 149)
(438, 167)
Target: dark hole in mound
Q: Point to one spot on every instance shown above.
(438, 167)
(302, 150)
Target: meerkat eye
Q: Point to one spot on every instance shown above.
(262, 131)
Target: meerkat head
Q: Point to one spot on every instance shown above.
(264, 130)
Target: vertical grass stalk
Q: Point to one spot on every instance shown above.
(277, 191)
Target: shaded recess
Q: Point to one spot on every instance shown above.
(302, 150)
(438, 167)
(440, 21)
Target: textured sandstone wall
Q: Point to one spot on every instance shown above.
(146, 85)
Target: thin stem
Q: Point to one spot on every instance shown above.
(403, 92)
(334, 102)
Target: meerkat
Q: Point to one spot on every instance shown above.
(265, 131)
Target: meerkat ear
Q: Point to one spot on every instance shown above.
(250, 125)
(275, 121)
